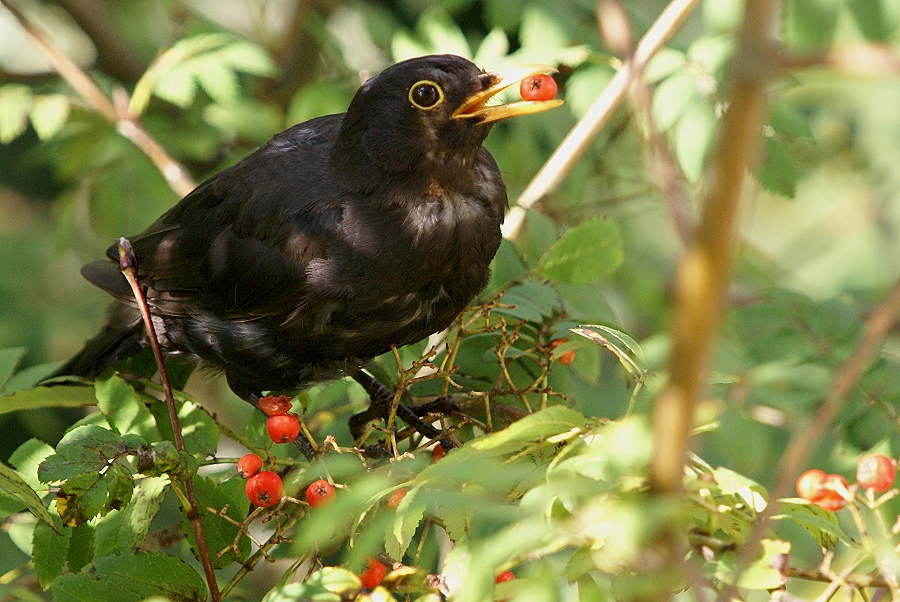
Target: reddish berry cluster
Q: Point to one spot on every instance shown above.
(265, 488)
(874, 472)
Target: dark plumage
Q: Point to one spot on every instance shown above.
(338, 238)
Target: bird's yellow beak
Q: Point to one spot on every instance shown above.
(474, 106)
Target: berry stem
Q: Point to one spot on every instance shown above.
(128, 263)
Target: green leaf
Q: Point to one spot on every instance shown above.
(406, 520)
(811, 24)
(216, 78)
(123, 408)
(586, 253)
(672, 98)
(322, 586)
(201, 435)
(48, 397)
(50, 546)
(176, 85)
(81, 548)
(131, 578)
(28, 457)
(247, 57)
(219, 533)
(9, 361)
(12, 483)
(585, 85)
(822, 524)
(16, 101)
(877, 19)
(694, 138)
(534, 427)
(85, 449)
(778, 170)
(49, 114)
(664, 64)
(81, 498)
(123, 531)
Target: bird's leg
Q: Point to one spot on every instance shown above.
(380, 407)
(302, 444)
(442, 404)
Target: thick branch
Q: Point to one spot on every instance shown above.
(705, 267)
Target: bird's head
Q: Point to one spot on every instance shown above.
(427, 116)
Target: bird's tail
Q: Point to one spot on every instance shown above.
(121, 337)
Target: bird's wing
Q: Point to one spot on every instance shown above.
(239, 244)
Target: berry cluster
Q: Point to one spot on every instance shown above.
(264, 487)
(874, 472)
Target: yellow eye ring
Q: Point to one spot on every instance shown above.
(425, 95)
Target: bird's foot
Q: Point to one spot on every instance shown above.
(381, 400)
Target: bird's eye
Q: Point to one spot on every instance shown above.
(426, 94)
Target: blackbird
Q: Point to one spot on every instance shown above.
(337, 239)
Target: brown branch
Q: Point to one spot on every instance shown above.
(580, 137)
(128, 263)
(705, 267)
(860, 59)
(84, 86)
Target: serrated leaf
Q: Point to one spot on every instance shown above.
(123, 531)
(48, 397)
(407, 517)
(201, 436)
(219, 533)
(131, 578)
(12, 483)
(50, 546)
(586, 253)
(85, 449)
(778, 170)
(49, 114)
(123, 408)
(534, 427)
(16, 101)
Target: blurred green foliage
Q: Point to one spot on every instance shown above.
(555, 495)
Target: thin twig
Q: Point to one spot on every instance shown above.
(128, 263)
(81, 82)
(576, 142)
